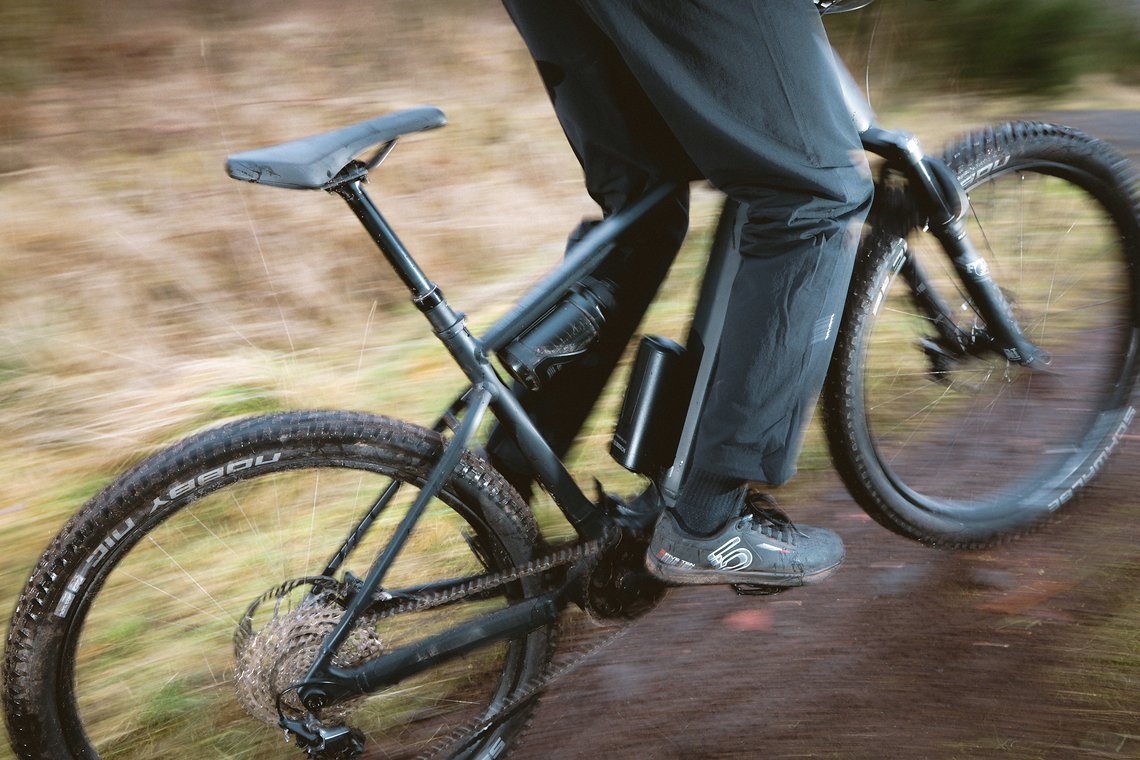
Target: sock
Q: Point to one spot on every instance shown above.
(707, 501)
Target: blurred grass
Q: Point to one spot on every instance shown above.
(1033, 47)
(145, 295)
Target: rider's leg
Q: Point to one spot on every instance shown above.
(624, 149)
(748, 89)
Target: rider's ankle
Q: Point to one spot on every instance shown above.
(707, 501)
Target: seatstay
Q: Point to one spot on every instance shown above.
(309, 163)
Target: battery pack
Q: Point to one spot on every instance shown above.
(653, 410)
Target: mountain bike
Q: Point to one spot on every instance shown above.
(351, 583)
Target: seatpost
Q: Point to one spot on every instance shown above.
(426, 295)
(385, 238)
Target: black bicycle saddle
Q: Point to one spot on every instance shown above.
(309, 163)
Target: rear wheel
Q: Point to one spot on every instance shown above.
(123, 643)
(959, 447)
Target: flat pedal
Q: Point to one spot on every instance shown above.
(755, 589)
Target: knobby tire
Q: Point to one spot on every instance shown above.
(138, 660)
(964, 451)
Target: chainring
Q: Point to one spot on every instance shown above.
(618, 587)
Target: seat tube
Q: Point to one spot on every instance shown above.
(470, 354)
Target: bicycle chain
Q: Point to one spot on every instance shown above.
(564, 556)
(570, 555)
(465, 734)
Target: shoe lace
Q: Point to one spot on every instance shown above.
(767, 517)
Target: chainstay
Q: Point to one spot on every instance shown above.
(463, 736)
(569, 555)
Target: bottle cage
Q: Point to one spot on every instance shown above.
(841, 6)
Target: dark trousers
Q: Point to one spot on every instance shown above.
(742, 93)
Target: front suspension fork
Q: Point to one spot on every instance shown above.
(942, 205)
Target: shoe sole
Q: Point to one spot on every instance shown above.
(676, 576)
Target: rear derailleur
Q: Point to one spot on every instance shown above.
(325, 742)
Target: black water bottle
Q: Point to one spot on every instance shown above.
(562, 334)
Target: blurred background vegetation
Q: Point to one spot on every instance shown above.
(144, 295)
(1023, 46)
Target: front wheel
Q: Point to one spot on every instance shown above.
(958, 446)
(133, 638)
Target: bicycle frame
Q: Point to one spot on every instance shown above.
(938, 199)
(487, 391)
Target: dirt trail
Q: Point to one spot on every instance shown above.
(907, 653)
